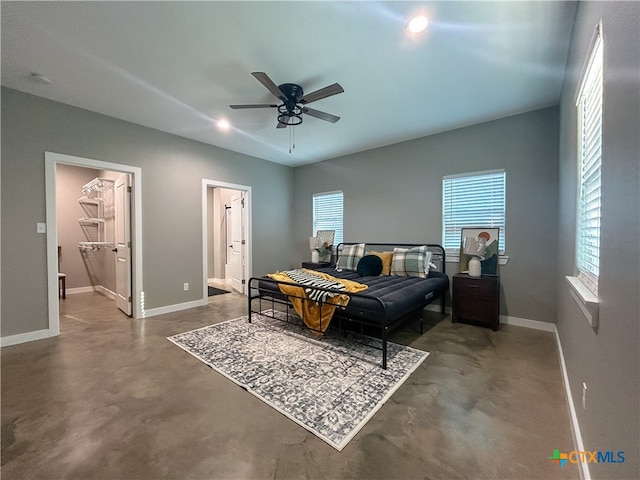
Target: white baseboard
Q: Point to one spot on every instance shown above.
(73, 291)
(174, 308)
(92, 288)
(525, 322)
(583, 467)
(219, 280)
(24, 337)
(106, 292)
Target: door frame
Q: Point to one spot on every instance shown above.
(207, 183)
(51, 160)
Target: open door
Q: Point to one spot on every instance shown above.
(237, 242)
(122, 242)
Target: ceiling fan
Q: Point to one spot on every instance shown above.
(294, 101)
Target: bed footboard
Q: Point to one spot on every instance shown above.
(264, 294)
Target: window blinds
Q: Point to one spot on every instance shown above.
(328, 213)
(590, 158)
(472, 200)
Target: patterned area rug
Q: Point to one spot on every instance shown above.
(330, 385)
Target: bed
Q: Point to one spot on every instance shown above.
(388, 302)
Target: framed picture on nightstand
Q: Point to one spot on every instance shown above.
(492, 240)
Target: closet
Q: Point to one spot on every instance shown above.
(96, 203)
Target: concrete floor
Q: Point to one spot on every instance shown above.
(111, 398)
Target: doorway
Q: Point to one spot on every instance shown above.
(226, 235)
(110, 223)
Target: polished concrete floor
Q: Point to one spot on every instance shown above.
(111, 398)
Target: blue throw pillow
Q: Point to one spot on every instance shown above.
(369, 266)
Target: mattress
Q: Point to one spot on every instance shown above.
(399, 295)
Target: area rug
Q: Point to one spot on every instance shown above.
(329, 385)
(215, 291)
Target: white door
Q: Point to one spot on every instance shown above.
(237, 242)
(122, 242)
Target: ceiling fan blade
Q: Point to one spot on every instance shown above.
(264, 79)
(321, 115)
(255, 105)
(325, 92)
(281, 125)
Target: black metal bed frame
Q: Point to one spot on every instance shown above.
(386, 326)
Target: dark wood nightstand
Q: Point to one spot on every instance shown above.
(315, 265)
(476, 299)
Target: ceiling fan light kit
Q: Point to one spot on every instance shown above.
(293, 100)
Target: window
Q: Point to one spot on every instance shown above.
(589, 103)
(472, 200)
(327, 213)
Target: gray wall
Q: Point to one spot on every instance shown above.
(394, 193)
(172, 172)
(607, 360)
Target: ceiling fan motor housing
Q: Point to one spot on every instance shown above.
(290, 110)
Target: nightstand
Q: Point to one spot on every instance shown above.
(315, 265)
(476, 299)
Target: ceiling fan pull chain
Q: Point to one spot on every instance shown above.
(292, 139)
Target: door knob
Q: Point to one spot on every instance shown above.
(114, 250)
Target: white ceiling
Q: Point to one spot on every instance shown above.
(176, 66)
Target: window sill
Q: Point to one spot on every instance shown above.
(455, 258)
(586, 300)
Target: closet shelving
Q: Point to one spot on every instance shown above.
(94, 224)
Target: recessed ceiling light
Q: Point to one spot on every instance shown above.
(417, 24)
(223, 125)
(41, 79)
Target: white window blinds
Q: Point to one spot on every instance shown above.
(589, 105)
(327, 214)
(472, 200)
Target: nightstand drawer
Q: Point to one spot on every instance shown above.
(476, 287)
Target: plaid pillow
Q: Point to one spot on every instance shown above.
(350, 256)
(411, 262)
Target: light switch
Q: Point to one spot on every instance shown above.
(41, 227)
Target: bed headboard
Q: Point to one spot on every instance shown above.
(438, 254)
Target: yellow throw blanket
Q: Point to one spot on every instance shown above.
(315, 317)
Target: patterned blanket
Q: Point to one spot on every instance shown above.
(310, 281)
(314, 306)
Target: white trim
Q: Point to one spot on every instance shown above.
(249, 236)
(175, 308)
(106, 292)
(92, 288)
(326, 193)
(51, 160)
(25, 337)
(583, 467)
(472, 174)
(75, 290)
(588, 302)
(596, 37)
(525, 322)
